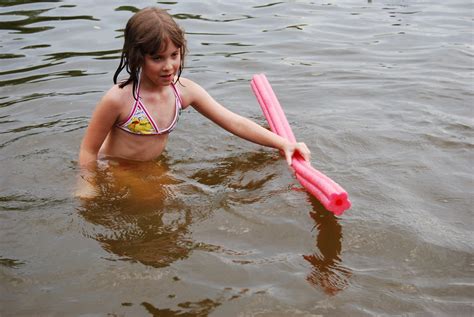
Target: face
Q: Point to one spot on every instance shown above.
(161, 68)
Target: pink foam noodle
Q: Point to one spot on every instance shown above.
(261, 101)
(262, 87)
(304, 168)
(331, 195)
(313, 190)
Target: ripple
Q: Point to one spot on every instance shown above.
(10, 56)
(187, 16)
(25, 202)
(24, 26)
(127, 9)
(56, 126)
(10, 263)
(47, 77)
(24, 2)
(108, 54)
(27, 69)
(29, 47)
(36, 96)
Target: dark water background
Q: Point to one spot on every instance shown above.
(381, 91)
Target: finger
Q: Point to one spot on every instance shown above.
(304, 151)
(288, 156)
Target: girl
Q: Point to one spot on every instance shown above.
(134, 118)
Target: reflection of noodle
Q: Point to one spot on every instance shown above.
(330, 276)
(327, 271)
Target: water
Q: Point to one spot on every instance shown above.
(382, 93)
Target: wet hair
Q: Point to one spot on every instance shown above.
(147, 32)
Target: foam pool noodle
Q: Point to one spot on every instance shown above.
(332, 196)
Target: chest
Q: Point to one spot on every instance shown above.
(161, 110)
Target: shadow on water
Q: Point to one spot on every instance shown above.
(327, 271)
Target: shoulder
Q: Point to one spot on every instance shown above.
(191, 92)
(115, 98)
(187, 86)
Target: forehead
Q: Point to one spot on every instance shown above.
(167, 46)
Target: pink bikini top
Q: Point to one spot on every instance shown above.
(141, 122)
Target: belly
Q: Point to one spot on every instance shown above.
(133, 147)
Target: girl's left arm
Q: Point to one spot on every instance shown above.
(242, 127)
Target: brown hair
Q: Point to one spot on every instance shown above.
(147, 32)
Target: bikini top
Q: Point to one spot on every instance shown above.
(140, 122)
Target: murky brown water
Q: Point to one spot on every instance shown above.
(382, 93)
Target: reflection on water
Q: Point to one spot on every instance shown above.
(327, 272)
(136, 213)
(139, 209)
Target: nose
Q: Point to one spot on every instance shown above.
(168, 65)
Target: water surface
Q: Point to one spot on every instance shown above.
(382, 93)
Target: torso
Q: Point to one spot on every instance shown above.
(140, 121)
(162, 107)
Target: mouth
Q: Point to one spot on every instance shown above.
(167, 77)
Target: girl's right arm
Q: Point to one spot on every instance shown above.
(240, 126)
(102, 121)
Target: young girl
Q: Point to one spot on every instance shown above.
(134, 118)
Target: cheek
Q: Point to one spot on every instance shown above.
(151, 67)
(177, 62)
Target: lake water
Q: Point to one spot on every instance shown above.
(382, 93)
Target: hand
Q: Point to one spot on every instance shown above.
(299, 147)
(85, 188)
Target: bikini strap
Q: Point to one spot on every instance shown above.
(137, 89)
(178, 95)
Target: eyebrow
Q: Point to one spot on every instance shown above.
(161, 54)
